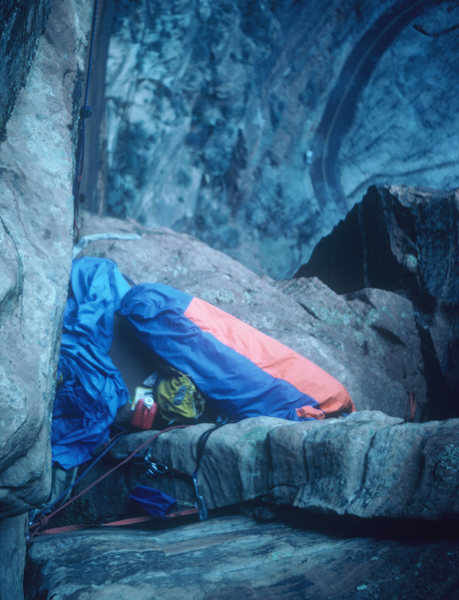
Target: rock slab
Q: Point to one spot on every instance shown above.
(233, 557)
(36, 214)
(36, 239)
(367, 465)
(405, 240)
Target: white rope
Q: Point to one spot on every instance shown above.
(102, 236)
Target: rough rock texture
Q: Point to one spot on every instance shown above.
(13, 555)
(36, 237)
(21, 24)
(374, 329)
(405, 240)
(367, 465)
(357, 340)
(234, 557)
(36, 214)
(256, 126)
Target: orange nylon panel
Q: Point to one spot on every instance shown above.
(273, 357)
(309, 412)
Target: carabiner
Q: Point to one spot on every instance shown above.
(156, 468)
(200, 505)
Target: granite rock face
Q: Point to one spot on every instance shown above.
(13, 531)
(367, 465)
(374, 354)
(36, 166)
(36, 217)
(375, 332)
(21, 24)
(256, 126)
(405, 240)
(233, 557)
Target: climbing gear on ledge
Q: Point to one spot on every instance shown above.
(62, 497)
(156, 468)
(41, 524)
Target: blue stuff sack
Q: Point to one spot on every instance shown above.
(154, 502)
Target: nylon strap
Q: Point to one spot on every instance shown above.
(120, 523)
(42, 523)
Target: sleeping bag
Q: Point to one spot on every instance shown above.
(241, 371)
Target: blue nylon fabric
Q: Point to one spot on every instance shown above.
(93, 389)
(153, 501)
(233, 385)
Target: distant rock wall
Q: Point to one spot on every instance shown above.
(255, 126)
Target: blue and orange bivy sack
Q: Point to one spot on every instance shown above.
(241, 371)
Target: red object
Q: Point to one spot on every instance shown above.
(144, 413)
(123, 522)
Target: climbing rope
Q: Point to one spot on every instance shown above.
(40, 526)
(38, 514)
(85, 112)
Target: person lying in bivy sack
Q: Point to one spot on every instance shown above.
(235, 370)
(240, 371)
